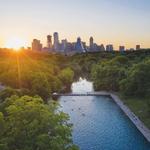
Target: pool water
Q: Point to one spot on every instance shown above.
(99, 124)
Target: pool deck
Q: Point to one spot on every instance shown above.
(135, 120)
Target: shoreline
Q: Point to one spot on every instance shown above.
(127, 111)
(135, 120)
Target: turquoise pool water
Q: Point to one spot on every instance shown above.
(99, 124)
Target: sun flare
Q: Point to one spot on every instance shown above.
(15, 43)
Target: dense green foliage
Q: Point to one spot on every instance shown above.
(66, 77)
(106, 75)
(26, 123)
(128, 74)
(39, 73)
(137, 82)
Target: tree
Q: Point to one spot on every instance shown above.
(55, 83)
(40, 86)
(107, 77)
(120, 61)
(66, 76)
(29, 124)
(7, 92)
(137, 82)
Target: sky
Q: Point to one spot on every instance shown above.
(119, 22)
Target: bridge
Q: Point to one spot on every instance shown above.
(83, 94)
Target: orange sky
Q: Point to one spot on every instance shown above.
(108, 21)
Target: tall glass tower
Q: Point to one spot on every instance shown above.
(56, 41)
(49, 42)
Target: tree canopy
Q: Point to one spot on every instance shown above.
(137, 82)
(27, 123)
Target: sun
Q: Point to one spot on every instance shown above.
(15, 43)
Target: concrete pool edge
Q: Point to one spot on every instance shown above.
(135, 120)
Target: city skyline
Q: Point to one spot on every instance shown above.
(116, 22)
(55, 44)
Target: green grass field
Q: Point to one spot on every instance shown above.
(140, 107)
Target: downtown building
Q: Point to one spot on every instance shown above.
(56, 45)
(138, 47)
(36, 45)
(121, 48)
(80, 46)
(93, 47)
(109, 48)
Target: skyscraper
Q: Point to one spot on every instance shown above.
(138, 47)
(64, 45)
(109, 48)
(102, 48)
(121, 48)
(56, 41)
(91, 43)
(79, 46)
(36, 45)
(49, 42)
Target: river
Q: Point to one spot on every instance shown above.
(98, 123)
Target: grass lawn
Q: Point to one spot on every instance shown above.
(140, 107)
